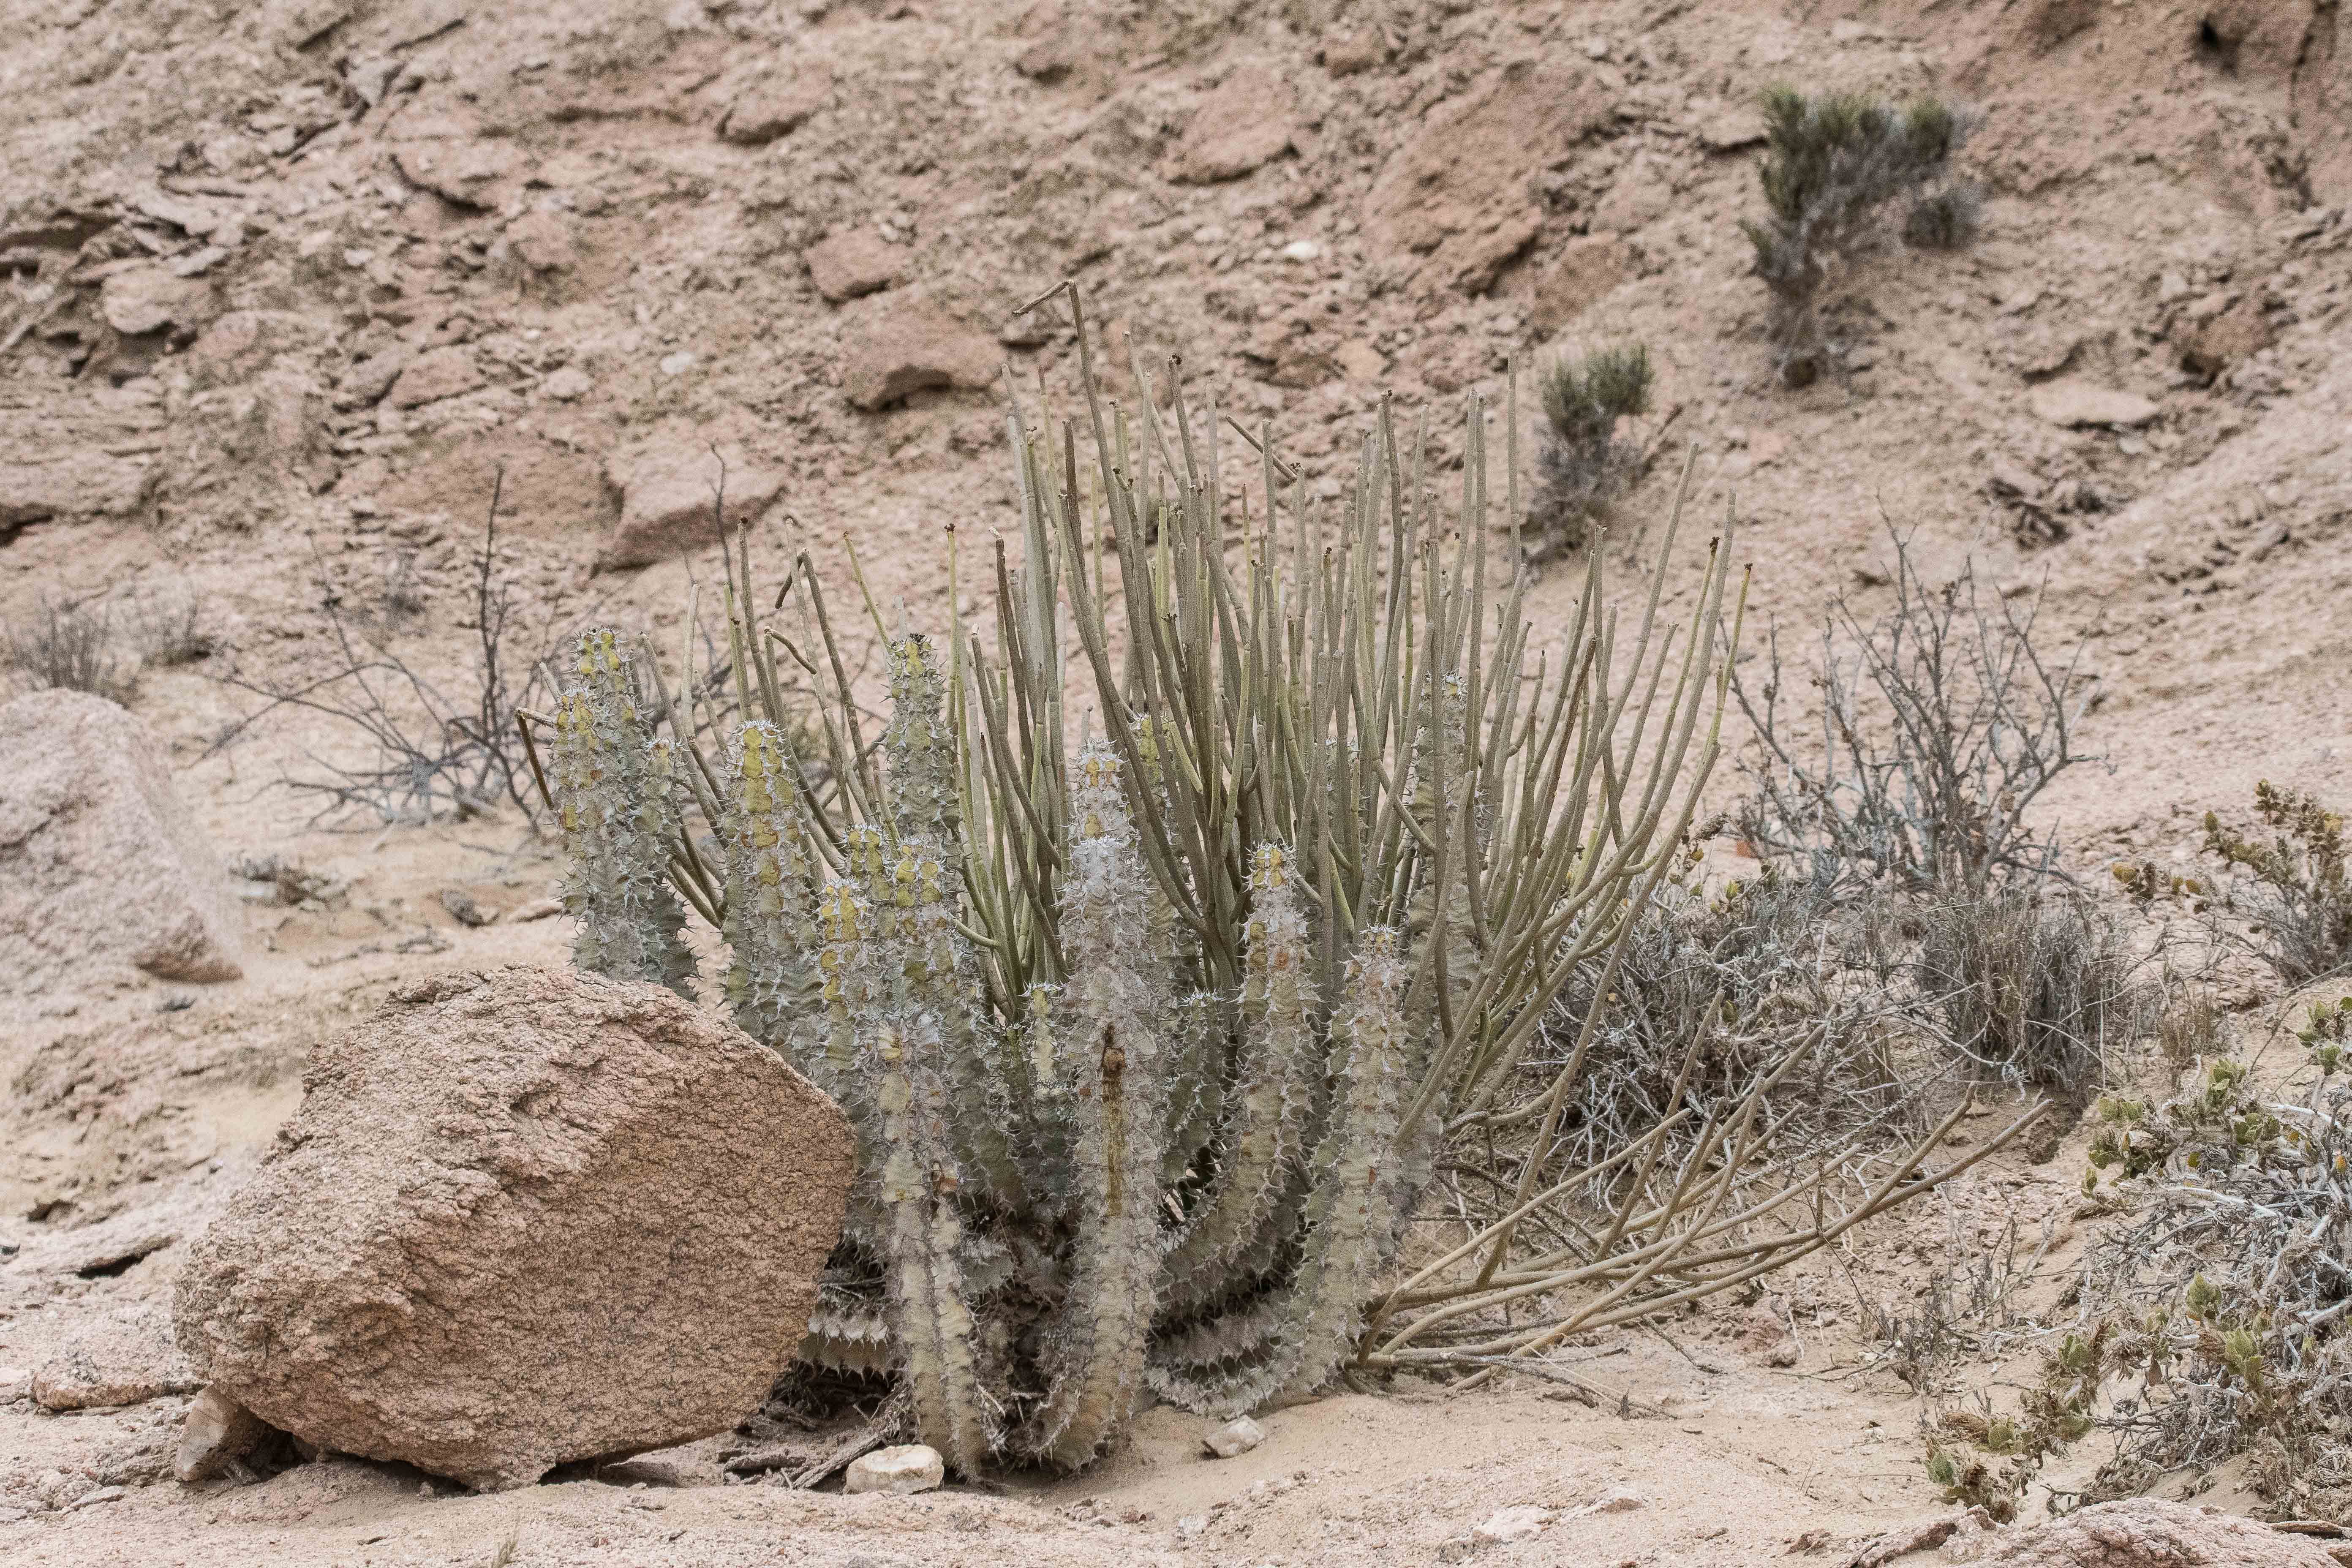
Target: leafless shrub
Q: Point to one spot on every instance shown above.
(1967, 1306)
(433, 754)
(1940, 725)
(72, 647)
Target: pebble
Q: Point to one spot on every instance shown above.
(1521, 1523)
(677, 364)
(1303, 250)
(1235, 1438)
(901, 1471)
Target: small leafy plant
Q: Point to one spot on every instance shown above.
(2300, 897)
(2228, 1287)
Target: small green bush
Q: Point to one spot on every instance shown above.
(2300, 897)
(1581, 465)
(1832, 163)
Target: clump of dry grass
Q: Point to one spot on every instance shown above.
(2035, 987)
(73, 647)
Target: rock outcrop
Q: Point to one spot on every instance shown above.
(522, 1218)
(670, 496)
(101, 866)
(2149, 1532)
(900, 348)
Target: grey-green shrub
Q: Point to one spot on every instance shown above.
(1831, 164)
(1580, 466)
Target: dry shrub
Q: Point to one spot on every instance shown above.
(2233, 1281)
(1709, 995)
(1942, 723)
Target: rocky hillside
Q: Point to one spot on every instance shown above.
(287, 284)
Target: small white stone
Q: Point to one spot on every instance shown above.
(1596, 48)
(901, 1471)
(568, 384)
(1521, 1523)
(1192, 1527)
(1236, 1436)
(677, 364)
(1303, 250)
(1208, 234)
(1617, 1500)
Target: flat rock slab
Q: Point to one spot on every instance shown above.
(522, 1219)
(124, 1358)
(100, 863)
(1247, 121)
(2073, 403)
(670, 497)
(902, 347)
(852, 262)
(902, 1471)
(777, 103)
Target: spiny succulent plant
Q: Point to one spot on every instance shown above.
(1154, 949)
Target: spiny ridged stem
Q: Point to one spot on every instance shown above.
(1115, 1014)
(617, 803)
(1353, 1217)
(1261, 1133)
(770, 926)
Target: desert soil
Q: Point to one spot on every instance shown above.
(283, 286)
